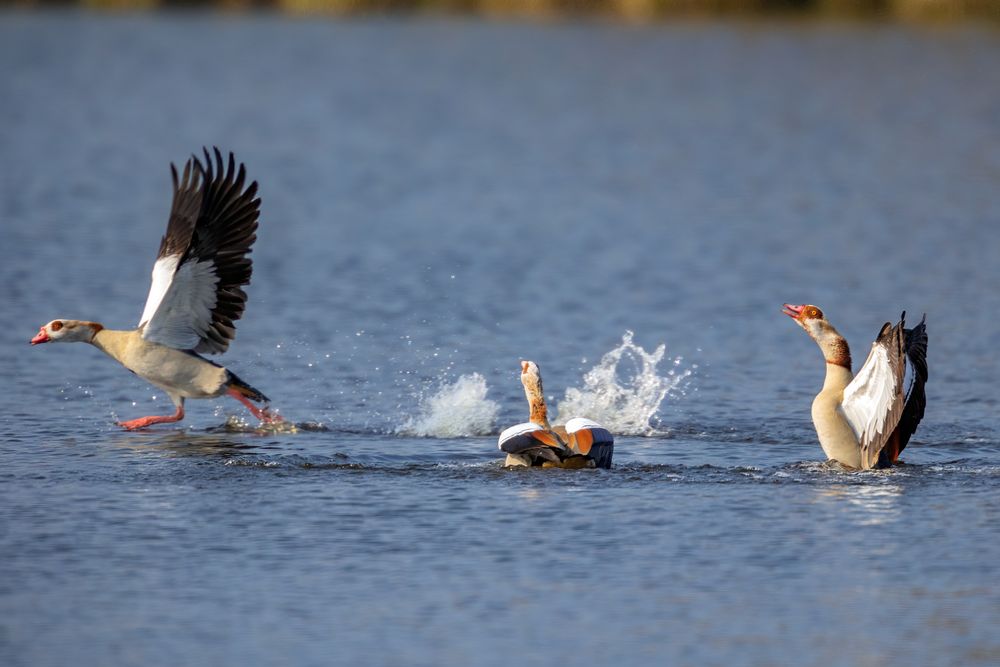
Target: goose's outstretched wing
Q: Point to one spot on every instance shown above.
(196, 293)
(873, 401)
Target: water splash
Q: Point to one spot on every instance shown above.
(624, 390)
(237, 424)
(455, 410)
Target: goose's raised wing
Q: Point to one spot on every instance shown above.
(196, 293)
(527, 436)
(873, 401)
(589, 438)
(583, 434)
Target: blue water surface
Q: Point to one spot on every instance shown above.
(440, 199)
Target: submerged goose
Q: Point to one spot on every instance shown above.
(195, 296)
(865, 421)
(580, 443)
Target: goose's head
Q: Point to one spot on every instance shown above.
(807, 316)
(834, 347)
(811, 318)
(531, 379)
(66, 331)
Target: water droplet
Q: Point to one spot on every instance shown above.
(624, 390)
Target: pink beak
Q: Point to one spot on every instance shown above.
(42, 337)
(794, 312)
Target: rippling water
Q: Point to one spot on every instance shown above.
(440, 200)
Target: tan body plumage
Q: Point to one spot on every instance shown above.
(177, 372)
(835, 434)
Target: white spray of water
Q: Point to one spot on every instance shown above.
(623, 391)
(455, 410)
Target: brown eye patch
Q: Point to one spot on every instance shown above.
(814, 312)
(57, 325)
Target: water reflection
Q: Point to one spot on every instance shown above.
(228, 438)
(183, 443)
(872, 505)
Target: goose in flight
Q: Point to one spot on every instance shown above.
(196, 294)
(865, 421)
(581, 443)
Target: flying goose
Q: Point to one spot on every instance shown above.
(195, 297)
(580, 443)
(865, 421)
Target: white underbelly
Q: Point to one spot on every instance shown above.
(176, 372)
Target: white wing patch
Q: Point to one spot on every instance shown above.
(577, 423)
(182, 313)
(873, 402)
(163, 275)
(584, 435)
(517, 430)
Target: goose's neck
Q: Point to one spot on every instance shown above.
(837, 354)
(539, 412)
(112, 342)
(836, 436)
(837, 377)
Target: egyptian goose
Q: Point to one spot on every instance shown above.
(865, 421)
(195, 296)
(581, 443)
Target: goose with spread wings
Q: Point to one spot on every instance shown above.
(581, 443)
(865, 421)
(196, 294)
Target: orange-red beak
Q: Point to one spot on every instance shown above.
(41, 337)
(524, 366)
(794, 312)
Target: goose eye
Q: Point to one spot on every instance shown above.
(56, 326)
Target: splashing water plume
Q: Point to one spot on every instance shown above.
(235, 424)
(455, 410)
(626, 403)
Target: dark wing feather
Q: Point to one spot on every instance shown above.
(225, 232)
(197, 294)
(916, 397)
(183, 211)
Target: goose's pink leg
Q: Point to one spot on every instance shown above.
(262, 414)
(143, 422)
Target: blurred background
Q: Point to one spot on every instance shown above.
(632, 10)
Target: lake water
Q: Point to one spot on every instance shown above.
(442, 199)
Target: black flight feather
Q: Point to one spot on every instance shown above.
(916, 398)
(214, 219)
